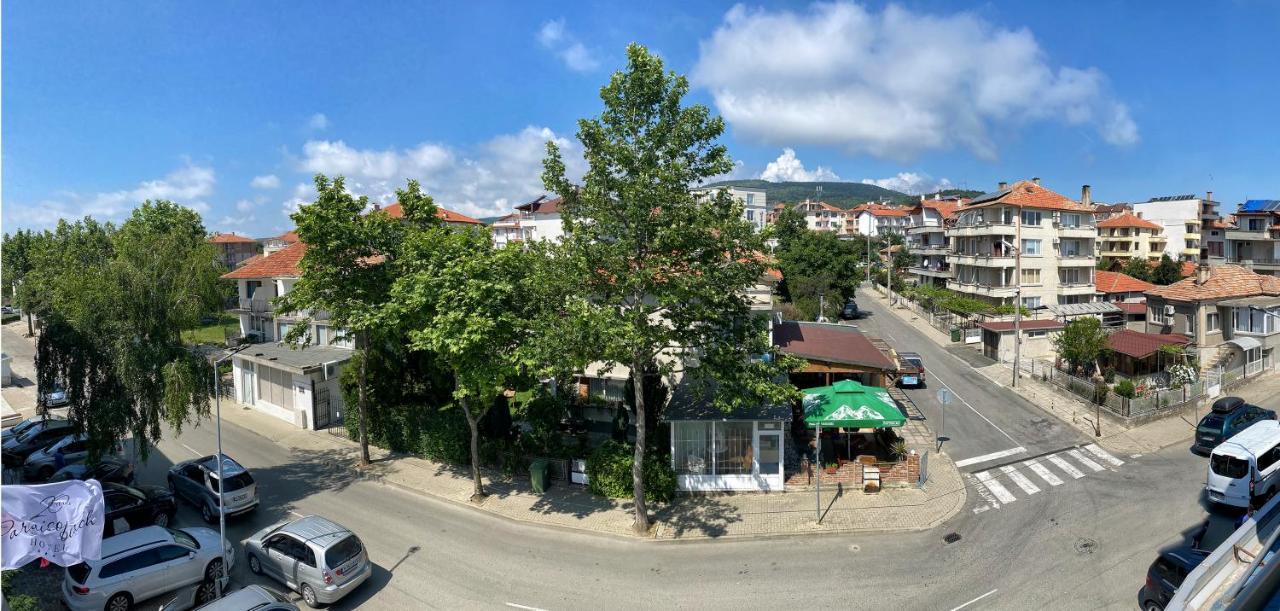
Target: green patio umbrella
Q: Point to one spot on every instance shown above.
(851, 405)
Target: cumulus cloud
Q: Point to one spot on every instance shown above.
(318, 121)
(244, 205)
(894, 83)
(244, 220)
(270, 181)
(188, 185)
(787, 167)
(911, 183)
(554, 37)
(485, 180)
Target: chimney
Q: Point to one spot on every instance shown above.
(376, 206)
(1003, 185)
(1202, 271)
(922, 198)
(1036, 180)
(1138, 214)
(1086, 195)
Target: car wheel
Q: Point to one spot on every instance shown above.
(255, 565)
(309, 597)
(212, 571)
(205, 592)
(119, 602)
(1152, 605)
(206, 512)
(161, 519)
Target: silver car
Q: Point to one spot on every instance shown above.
(142, 564)
(312, 555)
(42, 464)
(248, 598)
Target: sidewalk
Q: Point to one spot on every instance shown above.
(689, 517)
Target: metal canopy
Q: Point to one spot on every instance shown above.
(1245, 343)
(1078, 309)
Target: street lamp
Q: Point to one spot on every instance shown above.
(222, 516)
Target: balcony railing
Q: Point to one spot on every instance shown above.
(255, 304)
(1256, 261)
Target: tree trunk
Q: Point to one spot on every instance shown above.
(363, 406)
(31, 329)
(474, 423)
(641, 525)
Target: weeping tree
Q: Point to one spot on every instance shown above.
(662, 274)
(114, 304)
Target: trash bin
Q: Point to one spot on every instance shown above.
(955, 334)
(538, 475)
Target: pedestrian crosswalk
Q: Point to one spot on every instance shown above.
(1000, 486)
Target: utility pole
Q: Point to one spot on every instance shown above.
(889, 260)
(1017, 294)
(869, 286)
(222, 516)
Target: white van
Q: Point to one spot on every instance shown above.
(1245, 466)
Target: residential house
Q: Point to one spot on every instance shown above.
(1023, 237)
(1127, 293)
(1183, 218)
(396, 211)
(1124, 236)
(1134, 353)
(755, 209)
(1230, 314)
(877, 219)
(535, 220)
(1106, 211)
(1037, 338)
(774, 212)
(821, 216)
(926, 238)
(233, 250)
(1255, 241)
(273, 244)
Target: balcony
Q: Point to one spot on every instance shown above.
(934, 272)
(1245, 234)
(253, 305)
(982, 260)
(999, 292)
(1076, 288)
(1258, 263)
(981, 229)
(1076, 261)
(1078, 231)
(1192, 236)
(931, 249)
(924, 229)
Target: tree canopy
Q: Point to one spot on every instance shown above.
(1081, 342)
(1167, 272)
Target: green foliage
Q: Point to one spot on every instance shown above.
(1081, 342)
(8, 318)
(1138, 267)
(1006, 309)
(609, 472)
(1100, 391)
(1125, 388)
(843, 194)
(1167, 272)
(408, 396)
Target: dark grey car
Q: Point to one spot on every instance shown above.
(197, 481)
(18, 448)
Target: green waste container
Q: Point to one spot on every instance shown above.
(538, 475)
(955, 334)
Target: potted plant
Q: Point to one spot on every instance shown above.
(899, 449)
(832, 468)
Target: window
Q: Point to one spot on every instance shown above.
(1212, 322)
(733, 448)
(344, 550)
(275, 386)
(1073, 275)
(1249, 320)
(1268, 458)
(1030, 302)
(1031, 276)
(1229, 466)
(751, 201)
(612, 391)
(692, 449)
(1037, 333)
(170, 552)
(1257, 224)
(1031, 217)
(282, 329)
(1031, 247)
(138, 561)
(1071, 220)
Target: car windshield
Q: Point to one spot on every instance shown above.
(916, 362)
(182, 538)
(234, 482)
(345, 550)
(1229, 466)
(30, 433)
(78, 572)
(1212, 423)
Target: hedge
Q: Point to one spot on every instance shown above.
(609, 473)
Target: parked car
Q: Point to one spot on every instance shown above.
(54, 398)
(43, 463)
(1173, 564)
(1245, 467)
(196, 481)
(20, 428)
(17, 448)
(248, 598)
(8, 310)
(108, 469)
(314, 556)
(850, 310)
(1229, 416)
(138, 506)
(142, 564)
(911, 368)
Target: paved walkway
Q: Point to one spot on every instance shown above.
(689, 517)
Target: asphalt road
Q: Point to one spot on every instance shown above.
(983, 419)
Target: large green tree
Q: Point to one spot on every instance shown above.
(1167, 272)
(348, 268)
(818, 263)
(113, 305)
(19, 254)
(1137, 267)
(663, 274)
(1081, 342)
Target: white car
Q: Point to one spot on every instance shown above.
(143, 564)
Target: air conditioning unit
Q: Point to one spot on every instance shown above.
(1168, 310)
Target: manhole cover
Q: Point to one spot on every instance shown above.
(951, 538)
(1086, 546)
(855, 548)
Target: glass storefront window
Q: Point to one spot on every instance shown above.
(733, 448)
(692, 449)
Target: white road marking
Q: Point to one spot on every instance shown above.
(1020, 479)
(1066, 466)
(982, 508)
(1083, 460)
(1044, 472)
(975, 600)
(992, 456)
(1101, 453)
(934, 375)
(991, 501)
(190, 449)
(996, 488)
(297, 514)
(513, 605)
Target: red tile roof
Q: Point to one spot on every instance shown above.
(396, 211)
(282, 263)
(1142, 345)
(1224, 281)
(1132, 307)
(542, 205)
(1116, 282)
(1129, 219)
(1027, 325)
(231, 238)
(831, 343)
(1027, 194)
(288, 236)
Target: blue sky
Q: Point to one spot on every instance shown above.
(231, 107)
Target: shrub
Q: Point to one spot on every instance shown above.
(1126, 389)
(1100, 391)
(609, 472)
(1109, 374)
(8, 318)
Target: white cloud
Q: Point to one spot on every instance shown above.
(554, 37)
(188, 185)
(788, 168)
(244, 205)
(911, 183)
(894, 83)
(318, 121)
(270, 181)
(485, 180)
(303, 193)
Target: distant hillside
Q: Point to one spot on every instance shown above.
(969, 193)
(842, 194)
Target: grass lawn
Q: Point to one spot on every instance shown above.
(212, 333)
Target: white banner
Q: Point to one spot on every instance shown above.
(60, 522)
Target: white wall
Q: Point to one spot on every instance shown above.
(1173, 216)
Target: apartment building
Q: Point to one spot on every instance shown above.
(1023, 243)
(755, 209)
(1255, 240)
(1184, 217)
(926, 239)
(821, 216)
(1127, 235)
(233, 250)
(877, 219)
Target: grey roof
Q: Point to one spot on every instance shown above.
(321, 531)
(986, 197)
(1076, 309)
(685, 405)
(296, 359)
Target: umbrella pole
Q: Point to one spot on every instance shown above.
(817, 458)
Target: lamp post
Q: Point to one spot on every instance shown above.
(1017, 296)
(222, 516)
